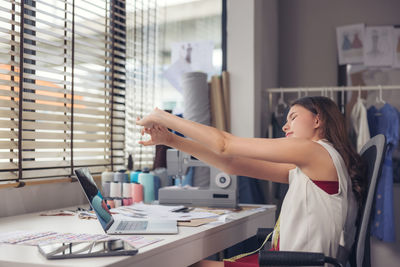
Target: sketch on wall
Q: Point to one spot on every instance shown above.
(378, 50)
(396, 46)
(350, 43)
(189, 56)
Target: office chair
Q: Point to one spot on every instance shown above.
(373, 153)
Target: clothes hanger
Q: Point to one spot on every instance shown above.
(281, 100)
(281, 106)
(380, 95)
(379, 102)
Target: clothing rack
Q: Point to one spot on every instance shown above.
(330, 88)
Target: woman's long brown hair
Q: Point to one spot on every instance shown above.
(333, 128)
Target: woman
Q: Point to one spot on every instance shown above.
(316, 158)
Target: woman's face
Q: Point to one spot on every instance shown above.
(301, 123)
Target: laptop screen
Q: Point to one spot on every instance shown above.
(94, 197)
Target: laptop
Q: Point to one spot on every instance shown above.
(115, 226)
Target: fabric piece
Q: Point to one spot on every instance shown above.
(359, 122)
(384, 121)
(160, 159)
(196, 107)
(249, 261)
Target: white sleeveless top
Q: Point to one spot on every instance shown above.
(311, 219)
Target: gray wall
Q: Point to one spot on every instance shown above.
(307, 35)
(308, 57)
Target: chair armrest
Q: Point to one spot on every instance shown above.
(293, 258)
(262, 234)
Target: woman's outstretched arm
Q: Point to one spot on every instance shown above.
(234, 165)
(297, 151)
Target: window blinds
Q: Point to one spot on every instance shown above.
(68, 56)
(141, 75)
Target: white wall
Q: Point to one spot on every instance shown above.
(252, 61)
(240, 64)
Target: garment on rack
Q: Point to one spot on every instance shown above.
(384, 121)
(359, 123)
(396, 162)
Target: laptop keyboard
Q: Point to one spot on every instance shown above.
(131, 225)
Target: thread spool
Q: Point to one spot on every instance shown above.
(147, 180)
(126, 201)
(107, 176)
(106, 188)
(117, 202)
(115, 189)
(137, 192)
(134, 176)
(120, 177)
(126, 190)
(110, 203)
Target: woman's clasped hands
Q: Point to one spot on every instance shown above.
(160, 135)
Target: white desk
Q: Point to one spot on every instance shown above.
(189, 246)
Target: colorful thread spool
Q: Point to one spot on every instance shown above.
(126, 190)
(106, 188)
(107, 176)
(118, 202)
(134, 176)
(137, 192)
(147, 180)
(115, 189)
(126, 201)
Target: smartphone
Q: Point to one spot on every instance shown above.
(87, 249)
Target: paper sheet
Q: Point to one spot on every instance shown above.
(36, 238)
(152, 211)
(396, 46)
(378, 50)
(350, 43)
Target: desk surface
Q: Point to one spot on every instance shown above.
(189, 246)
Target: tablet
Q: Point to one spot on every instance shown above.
(87, 249)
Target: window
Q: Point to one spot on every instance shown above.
(74, 65)
(186, 21)
(141, 75)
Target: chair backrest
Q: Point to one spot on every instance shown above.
(373, 154)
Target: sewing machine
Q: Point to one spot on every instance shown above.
(222, 191)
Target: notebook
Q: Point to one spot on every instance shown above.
(117, 226)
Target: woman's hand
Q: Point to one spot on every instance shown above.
(159, 135)
(155, 117)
